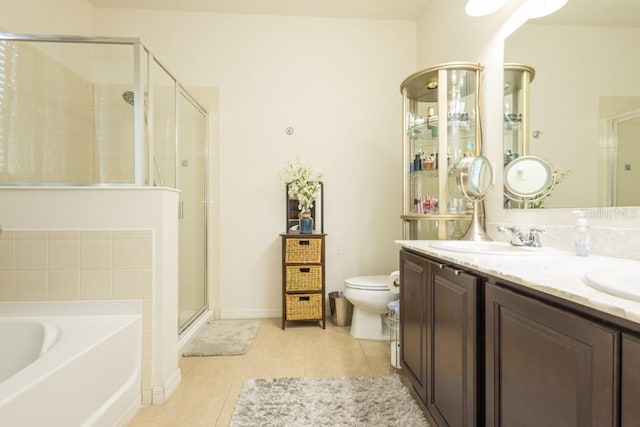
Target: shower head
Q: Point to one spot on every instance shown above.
(128, 97)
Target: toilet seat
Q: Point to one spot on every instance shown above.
(369, 283)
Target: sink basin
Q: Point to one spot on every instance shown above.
(619, 283)
(490, 248)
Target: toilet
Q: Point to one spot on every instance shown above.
(369, 296)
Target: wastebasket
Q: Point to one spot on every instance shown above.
(341, 309)
(393, 320)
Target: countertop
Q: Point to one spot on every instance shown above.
(559, 274)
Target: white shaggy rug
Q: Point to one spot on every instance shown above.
(361, 402)
(223, 338)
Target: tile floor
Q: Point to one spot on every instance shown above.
(211, 385)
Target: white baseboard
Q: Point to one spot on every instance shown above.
(250, 314)
(162, 393)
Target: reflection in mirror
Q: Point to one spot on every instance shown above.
(622, 132)
(517, 81)
(528, 180)
(586, 58)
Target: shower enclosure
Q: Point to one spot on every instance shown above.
(91, 111)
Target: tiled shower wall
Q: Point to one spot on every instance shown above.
(40, 90)
(62, 265)
(58, 126)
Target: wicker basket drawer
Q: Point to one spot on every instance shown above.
(304, 306)
(302, 250)
(301, 278)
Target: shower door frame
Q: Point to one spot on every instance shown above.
(181, 91)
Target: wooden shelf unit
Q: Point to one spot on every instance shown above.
(303, 277)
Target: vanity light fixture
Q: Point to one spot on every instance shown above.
(483, 7)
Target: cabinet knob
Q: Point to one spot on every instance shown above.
(457, 272)
(441, 266)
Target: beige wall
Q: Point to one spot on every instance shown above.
(336, 82)
(47, 17)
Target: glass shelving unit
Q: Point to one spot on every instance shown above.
(517, 78)
(441, 110)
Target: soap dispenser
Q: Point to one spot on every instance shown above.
(582, 235)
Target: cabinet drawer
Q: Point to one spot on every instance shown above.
(299, 250)
(303, 278)
(304, 306)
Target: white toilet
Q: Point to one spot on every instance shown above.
(369, 296)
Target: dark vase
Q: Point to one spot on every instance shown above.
(306, 224)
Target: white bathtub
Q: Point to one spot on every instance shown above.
(69, 363)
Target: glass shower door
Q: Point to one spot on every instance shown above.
(192, 136)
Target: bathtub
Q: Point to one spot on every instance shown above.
(73, 363)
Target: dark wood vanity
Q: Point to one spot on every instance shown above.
(483, 351)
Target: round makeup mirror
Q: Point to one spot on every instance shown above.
(475, 177)
(528, 179)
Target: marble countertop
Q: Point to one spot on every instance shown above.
(559, 274)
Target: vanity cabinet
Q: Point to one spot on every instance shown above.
(441, 121)
(483, 351)
(630, 381)
(439, 330)
(452, 350)
(547, 366)
(414, 271)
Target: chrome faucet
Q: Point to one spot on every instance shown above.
(531, 239)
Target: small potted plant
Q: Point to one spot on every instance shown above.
(303, 185)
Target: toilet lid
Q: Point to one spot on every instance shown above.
(373, 283)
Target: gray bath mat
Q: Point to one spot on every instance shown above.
(223, 338)
(365, 401)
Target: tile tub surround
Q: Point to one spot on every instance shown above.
(58, 265)
(75, 265)
(559, 274)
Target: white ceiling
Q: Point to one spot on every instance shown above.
(576, 12)
(360, 9)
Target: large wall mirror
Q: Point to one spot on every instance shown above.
(584, 103)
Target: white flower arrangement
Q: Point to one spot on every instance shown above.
(303, 184)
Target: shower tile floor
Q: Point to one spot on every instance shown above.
(211, 385)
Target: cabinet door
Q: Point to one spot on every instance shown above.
(452, 357)
(630, 381)
(413, 341)
(546, 366)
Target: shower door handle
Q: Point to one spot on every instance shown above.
(181, 210)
